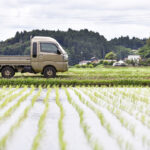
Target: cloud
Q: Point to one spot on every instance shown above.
(110, 18)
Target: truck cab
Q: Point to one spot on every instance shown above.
(46, 57)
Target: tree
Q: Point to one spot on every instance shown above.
(122, 52)
(148, 42)
(145, 50)
(111, 56)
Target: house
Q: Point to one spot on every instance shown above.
(94, 60)
(134, 57)
(84, 62)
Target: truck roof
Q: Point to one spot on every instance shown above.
(43, 38)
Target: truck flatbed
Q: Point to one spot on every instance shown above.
(15, 60)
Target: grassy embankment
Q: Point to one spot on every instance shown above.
(112, 76)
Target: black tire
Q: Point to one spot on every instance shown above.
(7, 72)
(49, 72)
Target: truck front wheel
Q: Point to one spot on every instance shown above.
(7, 72)
(49, 72)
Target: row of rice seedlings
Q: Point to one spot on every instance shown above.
(103, 101)
(73, 82)
(121, 100)
(2, 90)
(15, 106)
(140, 116)
(120, 140)
(23, 116)
(89, 136)
(117, 112)
(133, 111)
(39, 134)
(132, 103)
(12, 97)
(5, 92)
(118, 100)
(135, 96)
(62, 142)
(144, 118)
(140, 105)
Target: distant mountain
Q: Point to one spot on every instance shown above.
(79, 45)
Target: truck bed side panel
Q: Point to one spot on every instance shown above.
(15, 60)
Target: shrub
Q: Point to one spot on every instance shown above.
(105, 62)
(111, 56)
(90, 66)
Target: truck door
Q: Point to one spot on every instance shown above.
(49, 55)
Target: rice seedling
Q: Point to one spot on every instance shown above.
(12, 97)
(19, 121)
(38, 136)
(7, 92)
(103, 121)
(144, 118)
(95, 145)
(15, 106)
(118, 113)
(62, 142)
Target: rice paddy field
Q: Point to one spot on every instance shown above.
(99, 76)
(74, 118)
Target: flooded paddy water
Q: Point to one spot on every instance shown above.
(78, 118)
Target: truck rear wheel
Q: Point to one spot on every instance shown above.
(49, 72)
(8, 72)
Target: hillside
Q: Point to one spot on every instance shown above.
(80, 45)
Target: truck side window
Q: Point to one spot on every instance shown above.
(34, 50)
(49, 48)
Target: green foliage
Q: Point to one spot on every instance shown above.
(134, 43)
(145, 50)
(132, 62)
(144, 62)
(111, 56)
(105, 62)
(148, 42)
(122, 52)
(85, 66)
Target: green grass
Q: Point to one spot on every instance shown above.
(109, 76)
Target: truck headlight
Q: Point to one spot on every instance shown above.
(66, 57)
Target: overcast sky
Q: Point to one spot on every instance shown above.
(111, 18)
